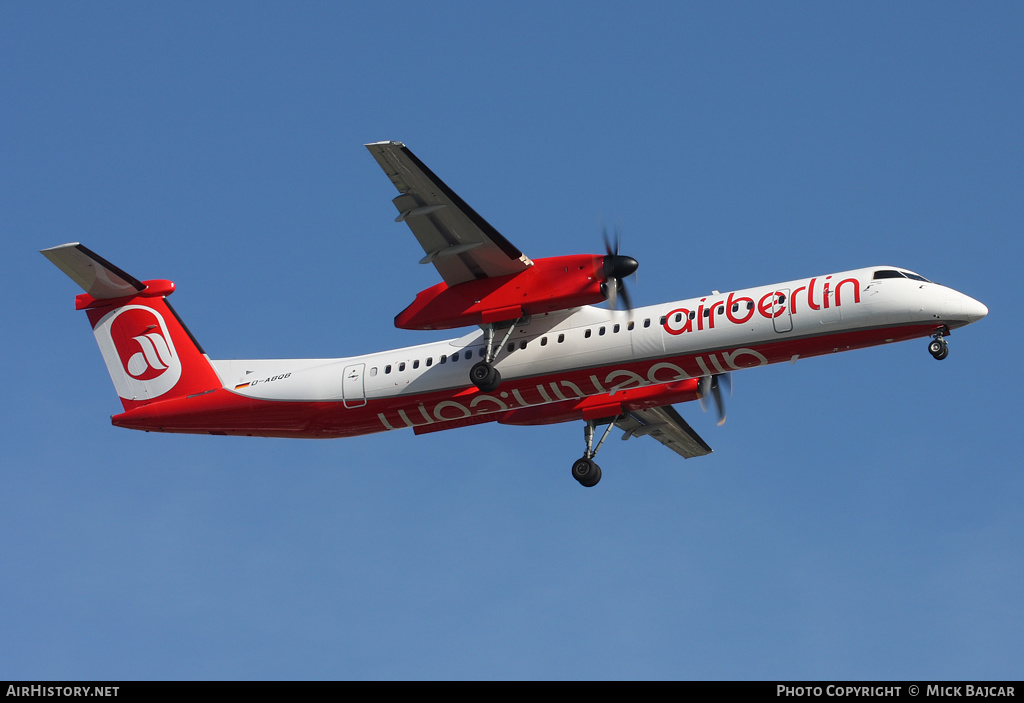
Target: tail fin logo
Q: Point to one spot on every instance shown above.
(153, 360)
(139, 352)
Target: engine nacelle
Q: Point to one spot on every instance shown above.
(553, 283)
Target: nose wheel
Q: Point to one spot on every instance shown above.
(937, 347)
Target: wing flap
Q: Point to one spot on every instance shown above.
(460, 243)
(668, 427)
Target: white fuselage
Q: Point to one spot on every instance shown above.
(732, 324)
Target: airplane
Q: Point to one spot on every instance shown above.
(541, 351)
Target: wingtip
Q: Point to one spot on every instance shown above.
(384, 143)
(59, 246)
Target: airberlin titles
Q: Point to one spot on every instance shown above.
(819, 293)
(772, 304)
(617, 381)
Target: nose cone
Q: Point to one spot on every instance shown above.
(974, 309)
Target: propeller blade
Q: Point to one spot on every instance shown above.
(712, 386)
(716, 389)
(625, 296)
(615, 268)
(703, 390)
(611, 292)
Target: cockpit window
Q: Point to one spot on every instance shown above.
(891, 273)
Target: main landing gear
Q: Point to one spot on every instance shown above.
(483, 375)
(937, 347)
(586, 470)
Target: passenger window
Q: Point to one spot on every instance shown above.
(735, 307)
(401, 366)
(662, 321)
(679, 317)
(430, 361)
(373, 371)
(615, 329)
(630, 326)
(482, 353)
(455, 357)
(543, 341)
(647, 322)
(387, 369)
(561, 338)
(443, 359)
(692, 315)
(601, 331)
(721, 309)
(522, 344)
(587, 334)
(416, 364)
(511, 346)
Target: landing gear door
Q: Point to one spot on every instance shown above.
(352, 386)
(782, 319)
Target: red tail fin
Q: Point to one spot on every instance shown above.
(149, 352)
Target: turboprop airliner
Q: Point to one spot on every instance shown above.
(539, 350)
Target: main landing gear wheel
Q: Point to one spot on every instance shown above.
(938, 349)
(484, 376)
(586, 472)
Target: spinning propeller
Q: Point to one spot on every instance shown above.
(615, 269)
(713, 385)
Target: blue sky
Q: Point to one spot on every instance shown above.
(860, 517)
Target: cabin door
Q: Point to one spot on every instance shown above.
(782, 318)
(352, 386)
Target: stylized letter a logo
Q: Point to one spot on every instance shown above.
(139, 352)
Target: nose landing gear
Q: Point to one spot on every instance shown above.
(937, 347)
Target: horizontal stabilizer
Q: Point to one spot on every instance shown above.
(97, 276)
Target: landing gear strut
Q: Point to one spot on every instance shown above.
(483, 375)
(586, 470)
(937, 347)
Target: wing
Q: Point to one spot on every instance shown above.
(666, 426)
(461, 244)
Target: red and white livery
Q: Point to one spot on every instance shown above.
(539, 351)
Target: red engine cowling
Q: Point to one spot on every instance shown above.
(554, 283)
